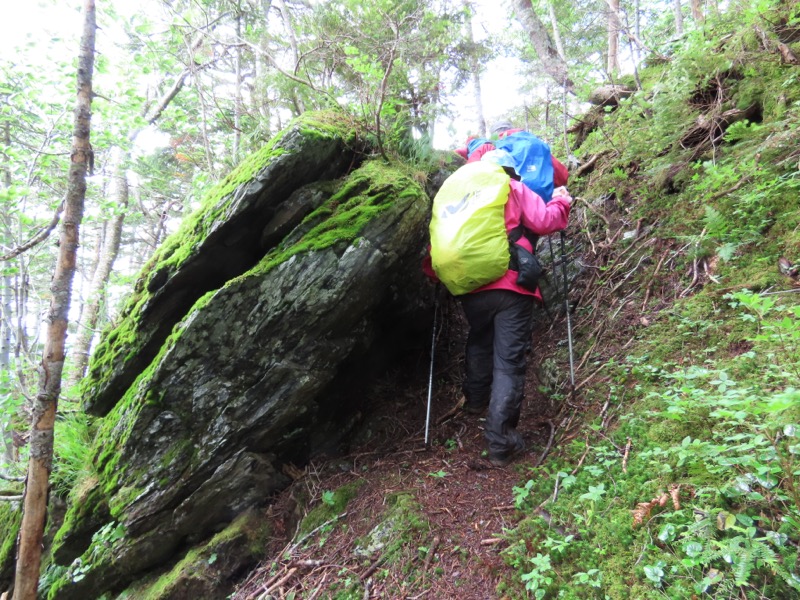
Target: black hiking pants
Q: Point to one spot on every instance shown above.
(500, 323)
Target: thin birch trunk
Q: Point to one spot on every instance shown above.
(476, 78)
(237, 101)
(556, 32)
(292, 37)
(613, 37)
(260, 96)
(678, 10)
(87, 325)
(6, 318)
(46, 402)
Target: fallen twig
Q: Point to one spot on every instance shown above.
(629, 273)
(583, 457)
(585, 381)
(431, 553)
(266, 593)
(625, 456)
(452, 412)
(549, 443)
(372, 568)
(491, 541)
(599, 214)
(694, 280)
(587, 165)
(652, 279)
(319, 588)
(299, 542)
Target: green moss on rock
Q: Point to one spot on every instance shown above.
(10, 519)
(202, 571)
(365, 194)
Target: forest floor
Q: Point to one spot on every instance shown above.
(449, 541)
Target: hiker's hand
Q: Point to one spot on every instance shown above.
(561, 192)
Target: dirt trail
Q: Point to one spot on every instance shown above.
(466, 502)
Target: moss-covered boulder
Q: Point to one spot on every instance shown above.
(260, 370)
(244, 217)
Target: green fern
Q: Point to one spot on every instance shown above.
(717, 226)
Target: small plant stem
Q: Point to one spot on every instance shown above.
(583, 457)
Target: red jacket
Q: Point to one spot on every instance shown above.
(524, 207)
(560, 173)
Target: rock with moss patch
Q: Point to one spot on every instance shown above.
(242, 219)
(259, 373)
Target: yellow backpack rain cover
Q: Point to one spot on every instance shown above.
(469, 243)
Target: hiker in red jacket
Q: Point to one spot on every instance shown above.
(474, 150)
(500, 316)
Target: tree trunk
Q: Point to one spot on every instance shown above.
(237, 101)
(6, 315)
(5, 282)
(476, 78)
(613, 37)
(46, 402)
(260, 95)
(553, 65)
(678, 10)
(290, 34)
(697, 11)
(556, 33)
(105, 262)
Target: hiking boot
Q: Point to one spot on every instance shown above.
(474, 409)
(503, 460)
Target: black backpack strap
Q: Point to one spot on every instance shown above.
(520, 230)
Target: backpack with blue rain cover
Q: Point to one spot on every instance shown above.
(532, 157)
(534, 162)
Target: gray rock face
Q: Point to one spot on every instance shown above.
(211, 395)
(549, 252)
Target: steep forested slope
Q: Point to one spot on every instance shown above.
(668, 470)
(672, 470)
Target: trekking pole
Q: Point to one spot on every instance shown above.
(564, 263)
(552, 255)
(430, 378)
(566, 306)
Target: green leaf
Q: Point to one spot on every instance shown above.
(725, 520)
